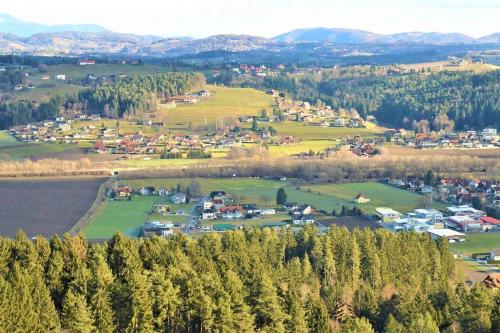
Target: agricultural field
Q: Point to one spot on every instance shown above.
(38, 150)
(477, 243)
(380, 195)
(44, 207)
(225, 104)
(303, 132)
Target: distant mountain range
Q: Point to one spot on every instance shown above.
(18, 36)
(15, 26)
(352, 36)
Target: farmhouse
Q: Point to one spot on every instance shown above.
(123, 190)
(387, 214)
(451, 235)
(361, 198)
(232, 212)
(303, 219)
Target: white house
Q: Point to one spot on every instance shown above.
(179, 198)
(208, 214)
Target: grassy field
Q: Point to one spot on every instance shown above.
(7, 140)
(301, 131)
(380, 195)
(128, 216)
(224, 105)
(477, 243)
(27, 150)
(45, 92)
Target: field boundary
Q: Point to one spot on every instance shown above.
(95, 208)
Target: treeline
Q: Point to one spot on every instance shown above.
(454, 100)
(132, 96)
(243, 281)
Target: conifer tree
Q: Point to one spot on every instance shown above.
(393, 326)
(317, 316)
(100, 293)
(76, 316)
(423, 323)
(266, 306)
(357, 325)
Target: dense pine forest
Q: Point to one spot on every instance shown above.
(135, 95)
(422, 101)
(242, 281)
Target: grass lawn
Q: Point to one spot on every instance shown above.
(380, 195)
(45, 92)
(224, 105)
(301, 131)
(128, 216)
(478, 243)
(302, 146)
(7, 140)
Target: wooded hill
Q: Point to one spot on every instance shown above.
(242, 281)
(454, 100)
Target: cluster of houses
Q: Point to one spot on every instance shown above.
(451, 224)
(55, 130)
(453, 191)
(219, 206)
(486, 138)
(319, 115)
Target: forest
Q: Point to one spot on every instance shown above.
(133, 96)
(243, 281)
(420, 101)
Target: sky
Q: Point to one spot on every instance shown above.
(267, 18)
